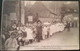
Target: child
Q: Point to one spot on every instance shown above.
(11, 42)
(29, 33)
(44, 32)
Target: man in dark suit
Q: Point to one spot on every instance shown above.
(39, 31)
(68, 26)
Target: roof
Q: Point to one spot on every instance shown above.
(41, 9)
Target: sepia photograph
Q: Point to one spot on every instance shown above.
(39, 25)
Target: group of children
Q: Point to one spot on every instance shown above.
(24, 35)
(27, 34)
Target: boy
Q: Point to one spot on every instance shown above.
(11, 42)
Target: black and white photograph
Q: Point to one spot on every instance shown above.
(39, 25)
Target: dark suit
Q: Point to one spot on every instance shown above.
(39, 33)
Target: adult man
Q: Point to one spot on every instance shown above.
(68, 26)
(39, 31)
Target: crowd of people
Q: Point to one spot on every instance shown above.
(21, 35)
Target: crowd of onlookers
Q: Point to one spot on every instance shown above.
(20, 35)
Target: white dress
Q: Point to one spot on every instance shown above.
(56, 28)
(44, 30)
(29, 33)
(60, 26)
(52, 29)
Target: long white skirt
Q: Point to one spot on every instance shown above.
(29, 34)
(52, 29)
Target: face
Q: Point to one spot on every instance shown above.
(12, 36)
(39, 23)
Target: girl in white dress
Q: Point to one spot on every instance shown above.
(44, 32)
(29, 33)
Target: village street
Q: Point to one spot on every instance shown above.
(62, 40)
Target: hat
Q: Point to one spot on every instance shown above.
(13, 33)
(38, 21)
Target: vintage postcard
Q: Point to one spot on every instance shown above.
(40, 25)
